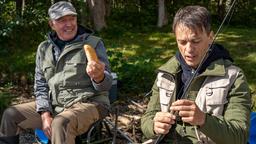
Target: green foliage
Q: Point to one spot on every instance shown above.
(134, 14)
(135, 56)
(19, 37)
(135, 75)
(6, 17)
(241, 43)
(244, 13)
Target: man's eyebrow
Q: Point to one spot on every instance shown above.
(192, 38)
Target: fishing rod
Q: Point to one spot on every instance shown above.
(209, 49)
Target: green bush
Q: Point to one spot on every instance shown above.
(19, 37)
(135, 75)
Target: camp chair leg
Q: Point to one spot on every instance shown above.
(95, 126)
(98, 137)
(119, 131)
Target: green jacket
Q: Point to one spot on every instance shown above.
(61, 81)
(230, 127)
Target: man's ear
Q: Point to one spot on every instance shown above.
(211, 35)
(51, 24)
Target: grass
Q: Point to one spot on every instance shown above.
(159, 45)
(242, 46)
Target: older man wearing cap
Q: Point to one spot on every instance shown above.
(71, 92)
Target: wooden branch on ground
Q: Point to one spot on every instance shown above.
(137, 104)
(135, 117)
(124, 120)
(136, 108)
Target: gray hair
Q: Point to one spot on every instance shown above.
(193, 17)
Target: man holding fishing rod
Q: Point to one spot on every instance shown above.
(199, 95)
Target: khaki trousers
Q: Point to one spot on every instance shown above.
(66, 125)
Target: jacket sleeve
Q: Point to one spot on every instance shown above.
(41, 89)
(233, 126)
(147, 124)
(106, 84)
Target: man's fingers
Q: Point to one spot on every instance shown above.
(50, 132)
(167, 120)
(164, 117)
(94, 69)
(96, 65)
(161, 128)
(180, 108)
(47, 132)
(163, 122)
(186, 113)
(182, 102)
(183, 105)
(189, 112)
(162, 125)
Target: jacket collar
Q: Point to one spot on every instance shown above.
(172, 66)
(216, 68)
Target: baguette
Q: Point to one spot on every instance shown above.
(90, 53)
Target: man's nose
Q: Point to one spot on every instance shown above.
(68, 23)
(189, 47)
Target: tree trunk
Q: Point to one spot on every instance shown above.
(162, 15)
(23, 7)
(98, 13)
(228, 5)
(108, 7)
(85, 20)
(18, 7)
(221, 9)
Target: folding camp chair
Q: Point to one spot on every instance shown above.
(102, 131)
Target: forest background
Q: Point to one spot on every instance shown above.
(137, 35)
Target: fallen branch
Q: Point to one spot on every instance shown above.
(135, 117)
(124, 120)
(137, 104)
(135, 108)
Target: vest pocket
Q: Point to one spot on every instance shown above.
(166, 85)
(75, 75)
(216, 96)
(48, 71)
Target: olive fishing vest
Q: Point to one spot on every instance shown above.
(67, 78)
(211, 97)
